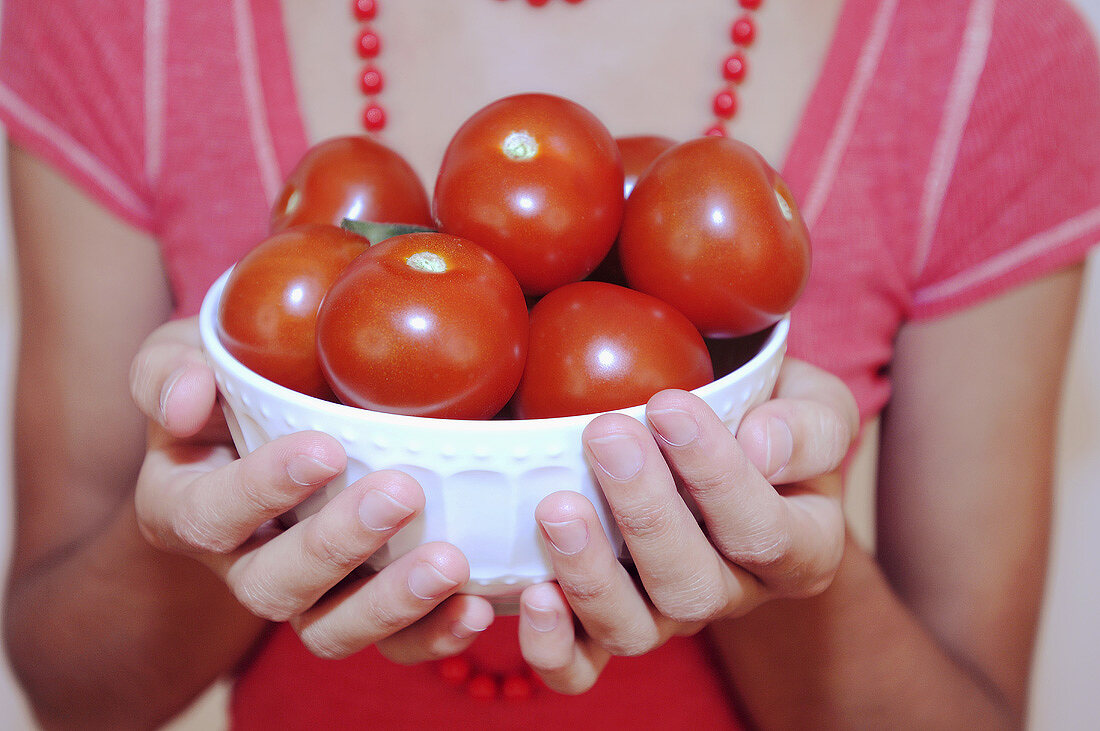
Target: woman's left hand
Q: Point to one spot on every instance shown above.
(769, 502)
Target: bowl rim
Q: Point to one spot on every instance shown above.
(208, 330)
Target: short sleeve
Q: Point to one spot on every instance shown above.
(1023, 195)
(72, 91)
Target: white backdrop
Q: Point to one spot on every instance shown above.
(1066, 694)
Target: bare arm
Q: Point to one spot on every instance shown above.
(146, 561)
(102, 630)
(939, 632)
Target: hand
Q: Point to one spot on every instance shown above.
(755, 542)
(196, 497)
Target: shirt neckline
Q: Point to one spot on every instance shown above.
(288, 131)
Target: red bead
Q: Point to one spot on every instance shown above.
(364, 9)
(751, 4)
(743, 31)
(734, 67)
(537, 3)
(517, 687)
(482, 685)
(725, 104)
(574, 2)
(374, 118)
(370, 45)
(371, 81)
(454, 670)
(716, 131)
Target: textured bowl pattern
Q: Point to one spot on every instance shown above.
(481, 479)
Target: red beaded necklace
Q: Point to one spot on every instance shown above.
(460, 671)
(723, 107)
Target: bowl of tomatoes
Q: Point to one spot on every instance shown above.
(471, 352)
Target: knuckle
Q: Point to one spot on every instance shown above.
(141, 376)
(324, 644)
(197, 533)
(769, 548)
(707, 484)
(629, 643)
(646, 521)
(321, 546)
(383, 621)
(701, 600)
(834, 437)
(586, 591)
(256, 595)
(257, 496)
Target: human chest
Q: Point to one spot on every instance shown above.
(641, 67)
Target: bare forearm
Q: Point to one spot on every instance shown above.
(854, 657)
(112, 634)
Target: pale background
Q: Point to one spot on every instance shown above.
(1066, 692)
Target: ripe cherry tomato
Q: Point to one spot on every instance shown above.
(351, 177)
(267, 317)
(424, 324)
(714, 231)
(537, 180)
(637, 153)
(599, 347)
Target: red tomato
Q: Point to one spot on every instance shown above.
(714, 231)
(267, 317)
(351, 177)
(424, 324)
(638, 153)
(599, 347)
(537, 180)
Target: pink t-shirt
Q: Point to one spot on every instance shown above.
(948, 153)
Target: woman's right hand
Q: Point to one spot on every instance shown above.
(195, 496)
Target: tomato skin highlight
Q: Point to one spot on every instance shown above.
(598, 347)
(537, 180)
(714, 231)
(267, 317)
(424, 324)
(351, 177)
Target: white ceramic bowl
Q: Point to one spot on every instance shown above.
(481, 479)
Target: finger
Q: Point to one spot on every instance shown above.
(792, 543)
(368, 611)
(549, 644)
(805, 430)
(600, 591)
(170, 381)
(287, 574)
(217, 511)
(448, 630)
(683, 575)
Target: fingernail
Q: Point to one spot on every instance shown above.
(464, 631)
(568, 537)
(780, 446)
(618, 455)
(675, 426)
(306, 470)
(541, 619)
(379, 511)
(166, 391)
(428, 582)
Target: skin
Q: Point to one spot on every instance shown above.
(150, 503)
